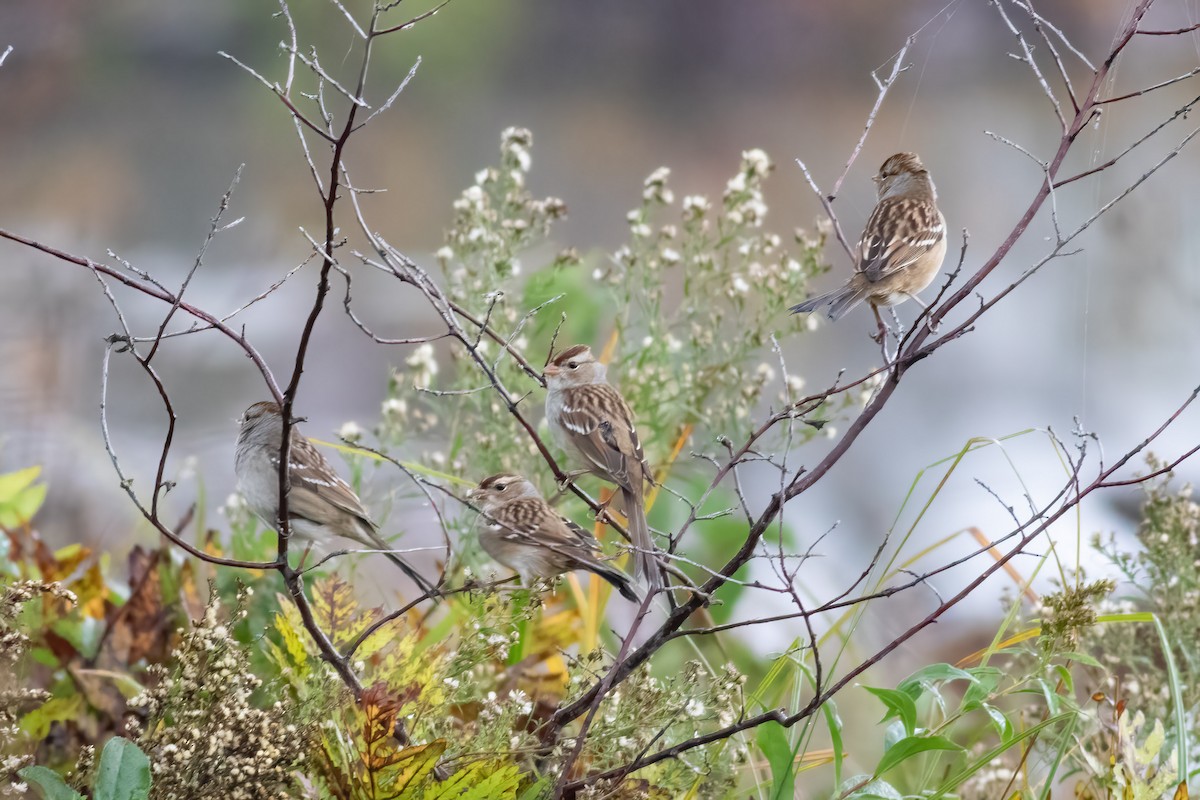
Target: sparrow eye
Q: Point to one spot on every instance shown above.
(500, 487)
(572, 365)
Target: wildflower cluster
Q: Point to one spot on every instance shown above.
(704, 358)
(647, 710)
(1165, 576)
(1068, 615)
(201, 729)
(477, 680)
(495, 219)
(16, 697)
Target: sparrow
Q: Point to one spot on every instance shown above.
(592, 423)
(321, 505)
(525, 534)
(902, 245)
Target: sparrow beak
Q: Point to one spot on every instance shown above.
(551, 370)
(472, 494)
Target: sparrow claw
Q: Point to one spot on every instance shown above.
(569, 477)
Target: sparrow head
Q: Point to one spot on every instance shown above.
(900, 173)
(575, 366)
(501, 488)
(260, 413)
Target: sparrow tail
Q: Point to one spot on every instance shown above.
(639, 534)
(620, 580)
(420, 580)
(840, 301)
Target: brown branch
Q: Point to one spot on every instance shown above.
(1175, 32)
(788, 720)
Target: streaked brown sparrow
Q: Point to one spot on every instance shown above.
(592, 423)
(525, 534)
(902, 245)
(320, 504)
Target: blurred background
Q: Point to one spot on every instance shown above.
(122, 127)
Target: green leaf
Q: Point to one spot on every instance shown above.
(926, 677)
(778, 666)
(900, 704)
(537, 791)
(1083, 658)
(999, 721)
(57, 709)
(834, 723)
(48, 784)
(1053, 698)
(986, 681)
(482, 780)
(912, 746)
(964, 774)
(124, 772)
(773, 741)
(870, 789)
(1064, 675)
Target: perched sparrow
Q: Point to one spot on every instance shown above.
(590, 420)
(525, 534)
(902, 245)
(320, 504)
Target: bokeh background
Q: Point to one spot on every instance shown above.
(121, 126)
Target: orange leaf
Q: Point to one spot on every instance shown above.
(141, 627)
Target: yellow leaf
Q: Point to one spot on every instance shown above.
(336, 610)
(414, 764)
(287, 622)
(189, 593)
(92, 591)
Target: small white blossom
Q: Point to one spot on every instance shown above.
(739, 284)
(395, 407)
(423, 360)
(658, 177)
(695, 205)
(756, 162)
(351, 431)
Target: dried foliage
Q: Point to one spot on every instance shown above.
(205, 736)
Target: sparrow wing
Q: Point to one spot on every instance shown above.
(317, 492)
(602, 429)
(531, 521)
(899, 231)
